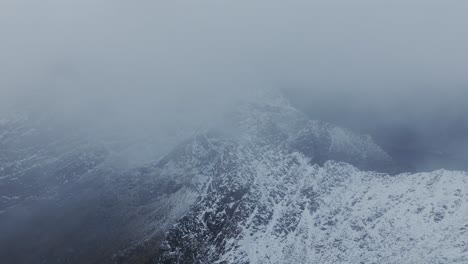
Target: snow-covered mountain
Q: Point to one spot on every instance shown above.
(271, 198)
(278, 208)
(251, 131)
(267, 185)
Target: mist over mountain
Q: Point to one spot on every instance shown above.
(394, 70)
(266, 171)
(233, 131)
(424, 133)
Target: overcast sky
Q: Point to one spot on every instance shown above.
(171, 62)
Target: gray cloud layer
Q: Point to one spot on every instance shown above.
(173, 62)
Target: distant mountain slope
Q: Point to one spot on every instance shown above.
(279, 124)
(67, 196)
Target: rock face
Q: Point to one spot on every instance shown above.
(280, 209)
(221, 165)
(271, 199)
(267, 186)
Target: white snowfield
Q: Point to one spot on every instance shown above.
(360, 217)
(292, 211)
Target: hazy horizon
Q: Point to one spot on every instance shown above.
(395, 70)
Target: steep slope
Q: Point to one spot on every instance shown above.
(273, 198)
(277, 208)
(190, 168)
(279, 124)
(259, 177)
(198, 163)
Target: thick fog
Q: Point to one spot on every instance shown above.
(394, 69)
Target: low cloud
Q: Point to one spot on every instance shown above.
(179, 62)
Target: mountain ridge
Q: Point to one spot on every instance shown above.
(258, 177)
